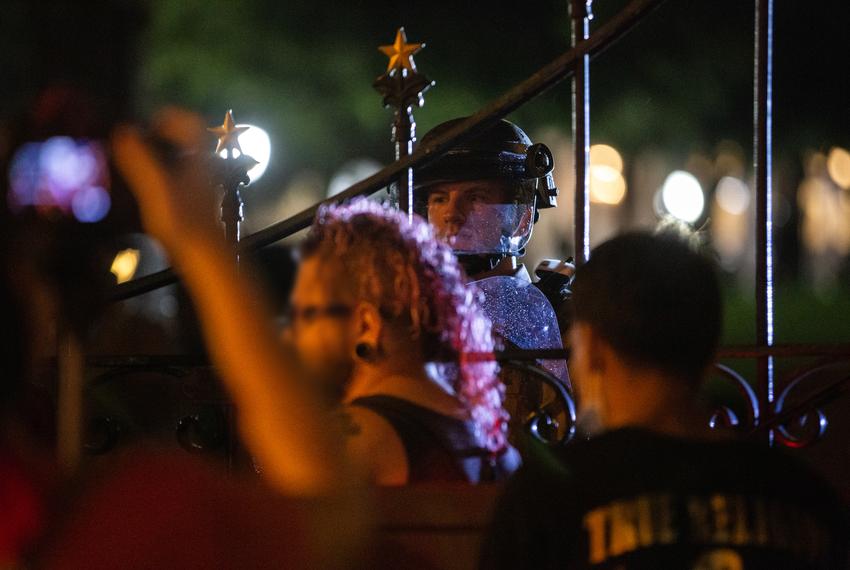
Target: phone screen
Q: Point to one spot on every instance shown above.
(61, 175)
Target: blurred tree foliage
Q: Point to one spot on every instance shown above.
(680, 81)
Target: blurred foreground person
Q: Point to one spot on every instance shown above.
(655, 487)
(24, 479)
(158, 510)
(381, 317)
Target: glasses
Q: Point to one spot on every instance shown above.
(311, 313)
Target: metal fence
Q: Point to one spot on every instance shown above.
(768, 415)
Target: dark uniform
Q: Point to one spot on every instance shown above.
(491, 232)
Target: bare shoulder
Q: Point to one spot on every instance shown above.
(374, 444)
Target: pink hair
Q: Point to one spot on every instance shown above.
(403, 268)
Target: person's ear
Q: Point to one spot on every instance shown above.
(368, 324)
(598, 351)
(588, 349)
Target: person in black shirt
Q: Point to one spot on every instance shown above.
(654, 487)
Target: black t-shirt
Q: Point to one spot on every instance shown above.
(633, 499)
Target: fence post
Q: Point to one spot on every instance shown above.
(402, 87)
(762, 152)
(580, 16)
(232, 174)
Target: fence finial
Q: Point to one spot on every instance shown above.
(402, 87)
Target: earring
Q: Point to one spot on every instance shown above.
(364, 351)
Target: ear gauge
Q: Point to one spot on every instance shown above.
(364, 351)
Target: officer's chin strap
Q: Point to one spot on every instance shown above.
(476, 264)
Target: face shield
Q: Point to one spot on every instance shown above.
(472, 225)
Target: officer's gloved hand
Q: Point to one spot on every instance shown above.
(555, 278)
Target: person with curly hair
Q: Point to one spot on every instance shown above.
(382, 317)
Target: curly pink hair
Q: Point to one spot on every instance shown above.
(403, 269)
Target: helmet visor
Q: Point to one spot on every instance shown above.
(484, 228)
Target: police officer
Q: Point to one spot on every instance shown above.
(483, 197)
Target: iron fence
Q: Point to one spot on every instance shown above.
(768, 415)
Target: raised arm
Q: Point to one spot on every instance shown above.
(282, 422)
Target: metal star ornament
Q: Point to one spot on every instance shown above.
(228, 134)
(401, 53)
(402, 84)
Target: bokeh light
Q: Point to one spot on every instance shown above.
(607, 185)
(732, 195)
(61, 173)
(124, 265)
(91, 204)
(605, 155)
(352, 172)
(826, 217)
(682, 196)
(838, 166)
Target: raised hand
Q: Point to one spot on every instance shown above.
(174, 193)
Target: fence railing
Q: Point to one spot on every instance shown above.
(548, 76)
(768, 413)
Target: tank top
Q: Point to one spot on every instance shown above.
(440, 447)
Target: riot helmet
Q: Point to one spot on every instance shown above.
(486, 190)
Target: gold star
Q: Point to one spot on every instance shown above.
(228, 134)
(401, 52)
